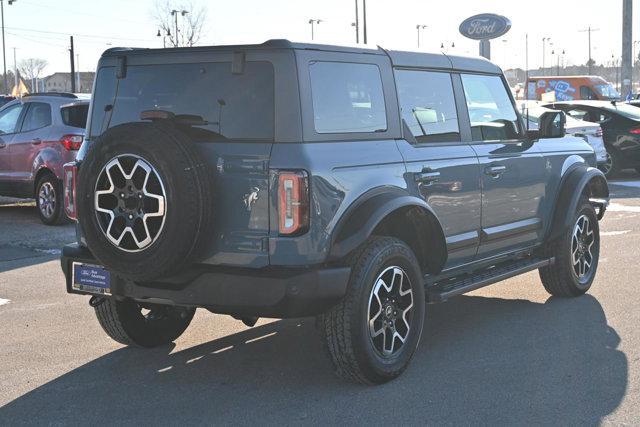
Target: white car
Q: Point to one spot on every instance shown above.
(590, 132)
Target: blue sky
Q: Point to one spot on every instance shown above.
(41, 28)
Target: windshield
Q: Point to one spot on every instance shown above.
(607, 91)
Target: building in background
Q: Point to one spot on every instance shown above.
(61, 82)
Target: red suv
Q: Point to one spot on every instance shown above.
(38, 134)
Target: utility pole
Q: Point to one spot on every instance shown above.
(420, 27)
(175, 13)
(627, 35)
(364, 20)
(589, 30)
(526, 66)
(314, 22)
(15, 69)
(4, 55)
(357, 25)
(78, 72)
(73, 65)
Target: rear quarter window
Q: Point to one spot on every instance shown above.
(75, 115)
(347, 97)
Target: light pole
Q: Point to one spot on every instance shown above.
(357, 25)
(544, 52)
(4, 55)
(418, 28)
(175, 13)
(444, 48)
(364, 21)
(589, 30)
(314, 22)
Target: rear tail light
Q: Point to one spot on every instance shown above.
(599, 133)
(71, 142)
(70, 170)
(635, 131)
(293, 202)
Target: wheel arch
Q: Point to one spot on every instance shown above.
(579, 181)
(392, 212)
(39, 174)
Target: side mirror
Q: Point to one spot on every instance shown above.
(551, 124)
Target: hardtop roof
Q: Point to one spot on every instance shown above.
(398, 58)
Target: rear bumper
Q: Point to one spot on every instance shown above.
(280, 293)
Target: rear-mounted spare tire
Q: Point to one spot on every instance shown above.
(145, 200)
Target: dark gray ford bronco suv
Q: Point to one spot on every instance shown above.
(287, 180)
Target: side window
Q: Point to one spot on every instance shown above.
(9, 119)
(38, 116)
(347, 98)
(579, 114)
(587, 93)
(427, 105)
(492, 115)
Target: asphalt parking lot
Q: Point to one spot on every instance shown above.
(506, 354)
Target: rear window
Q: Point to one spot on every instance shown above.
(228, 106)
(75, 115)
(347, 98)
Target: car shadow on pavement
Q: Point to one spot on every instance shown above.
(482, 360)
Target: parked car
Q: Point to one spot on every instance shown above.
(6, 98)
(570, 88)
(289, 180)
(620, 124)
(590, 132)
(38, 135)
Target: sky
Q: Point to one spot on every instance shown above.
(41, 28)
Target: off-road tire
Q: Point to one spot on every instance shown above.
(344, 328)
(124, 322)
(188, 187)
(58, 216)
(560, 279)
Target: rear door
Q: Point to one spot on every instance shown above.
(31, 139)
(231, 101)
(442, 167)
(9, 119)
(513, 169)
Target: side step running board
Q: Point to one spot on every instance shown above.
(444, 290)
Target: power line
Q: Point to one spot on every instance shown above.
(77, 12)
(79, 35)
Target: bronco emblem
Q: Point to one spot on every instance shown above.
(251, 198)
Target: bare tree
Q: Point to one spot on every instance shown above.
(30, 70)
(180, 22)
(32, 67)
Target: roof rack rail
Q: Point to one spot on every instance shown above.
(60, 94)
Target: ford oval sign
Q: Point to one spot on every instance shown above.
(485, 26)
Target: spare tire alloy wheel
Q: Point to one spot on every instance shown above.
(389, 313)
(130, 202)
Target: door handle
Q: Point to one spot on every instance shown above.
(495, 171)
(36, 141)
(427, 176)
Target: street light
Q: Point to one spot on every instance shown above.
(175, 13)
(314, 22)
(164, 37)
(4, 56)
(418, 28)
(544, 53)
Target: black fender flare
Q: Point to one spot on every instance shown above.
(572, 187)
(362, 218)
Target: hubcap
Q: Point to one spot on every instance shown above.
(581, 247)
(389, 312)
(47, 199)
(130, 202)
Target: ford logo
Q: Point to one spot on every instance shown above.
(485, 26)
